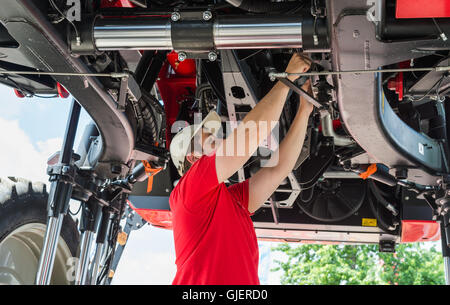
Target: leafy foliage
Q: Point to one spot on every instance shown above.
(313, 264)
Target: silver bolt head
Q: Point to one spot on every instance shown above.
(175, 16)
(212, 56)
(355, 34)
(182, 56)
(207, 15)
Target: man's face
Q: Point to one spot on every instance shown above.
(209, 144)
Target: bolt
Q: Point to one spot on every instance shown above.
(406, 198)
(212, 56)
(182, 56)
(207, 15)
(65, 169)
(355, 34)
(175, 16)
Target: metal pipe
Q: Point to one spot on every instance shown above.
(149, 33)
(328, 131)
(49, 249)
(96, 263)
(447, 270)
(257, 32)
(83, 263)
(230, 32)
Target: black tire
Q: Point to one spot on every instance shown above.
(24, 203)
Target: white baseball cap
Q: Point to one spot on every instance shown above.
(179, 145)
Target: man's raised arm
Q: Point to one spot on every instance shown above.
(257, 125)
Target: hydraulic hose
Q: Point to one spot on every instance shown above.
(380, 199)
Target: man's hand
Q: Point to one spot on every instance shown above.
(299, 63)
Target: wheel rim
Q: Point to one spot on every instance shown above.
(19, 257)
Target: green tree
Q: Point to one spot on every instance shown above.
(360, 265)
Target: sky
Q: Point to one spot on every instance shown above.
(35, 130)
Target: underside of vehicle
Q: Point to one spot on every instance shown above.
(375, 165)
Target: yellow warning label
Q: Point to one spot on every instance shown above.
(369, 222)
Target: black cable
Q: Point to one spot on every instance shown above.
(79, 209)
(431, 89)
(380, 198)
(376, 213)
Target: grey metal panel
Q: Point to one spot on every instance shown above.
(355, 47)
(150, 202)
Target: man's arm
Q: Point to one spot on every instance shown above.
(267, 179)
(238, 147)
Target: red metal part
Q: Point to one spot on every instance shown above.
(420, 231)
(116, 3)
(185, 68)
(174, 85)
(62, 92)
(396, 83)
(336, 125)
(158, 218)
(19, 94)
(422, 9)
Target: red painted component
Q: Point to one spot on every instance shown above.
(186, 67)
(396, 83)
(420, 230)
(19, 93)
(174, 86)
(336, 125)
(62, 92)
(157, 218)
(116, 3)
(422, 9)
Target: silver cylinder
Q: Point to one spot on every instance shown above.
(328, 131)
(120, 34)
(257, 32)
(96, 263)
(49, 249)
(83, 263)
(447, 269)
(229, 32)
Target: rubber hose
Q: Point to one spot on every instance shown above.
(379, 197)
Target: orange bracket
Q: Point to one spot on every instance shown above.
(372, 169)
(150, 173)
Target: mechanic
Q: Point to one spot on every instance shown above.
(215, 241)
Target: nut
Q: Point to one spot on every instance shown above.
(175, 16)
(182, 56)
(207, 15)
(212, 56)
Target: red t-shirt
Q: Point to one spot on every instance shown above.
(215, 241)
